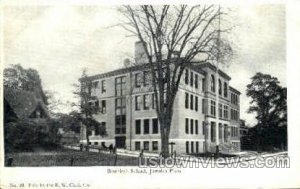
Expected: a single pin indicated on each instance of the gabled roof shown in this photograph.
(24, 103)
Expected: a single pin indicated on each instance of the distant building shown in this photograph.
(20, 104)
(68, 137)
(124, 98)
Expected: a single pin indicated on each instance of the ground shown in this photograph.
(63, 158)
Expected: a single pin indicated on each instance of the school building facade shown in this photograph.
(125, 102)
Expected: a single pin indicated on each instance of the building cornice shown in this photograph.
(234, 90)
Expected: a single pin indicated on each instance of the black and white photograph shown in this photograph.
(145, 90)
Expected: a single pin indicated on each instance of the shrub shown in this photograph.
(23, 135)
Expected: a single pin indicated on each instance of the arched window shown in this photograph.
(225, 90)
(212, 83)
(220, 87)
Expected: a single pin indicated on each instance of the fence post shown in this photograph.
(140, 159)
(71, 161)
(10, 162)
(116, 157)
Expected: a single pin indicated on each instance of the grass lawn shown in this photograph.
(63, 158)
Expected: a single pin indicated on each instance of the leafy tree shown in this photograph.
(172, 37)
(17, 77)
(270, 106)
(268, 100)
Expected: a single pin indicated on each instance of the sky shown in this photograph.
(60, 41)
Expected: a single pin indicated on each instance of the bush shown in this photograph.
(23, 135)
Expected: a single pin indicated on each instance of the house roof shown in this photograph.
(23, 102)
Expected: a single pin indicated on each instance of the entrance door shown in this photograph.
(120, 141)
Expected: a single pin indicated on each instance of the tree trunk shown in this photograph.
(165, 145)
(87, 140)
(165, 124)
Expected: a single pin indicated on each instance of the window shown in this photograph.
(138, 102)
(192, 79)
(187, 147)
(146, 146)
(212, 83)
(153, 101)
(97, 128)
(186, 79)
(220, 110)
(120, 124)
(186, 125)
(196, 127)
(155, 126)
(220, 87)
(146, 126)
(225, 112)
(186, 100)
(95, 84)
(213, 108)
(120, 86)
(192, 147)
(226, 133)
(97, 104)
(203, 106)
(120, 108)
(197, 147)
(137, 80)
(192, 102)
(220, 131)
(196, 103)
(203, 128)
(146, 78)
(96, 143)
(196, 81)
(103, 106)
(137, 145)
(147, 102)
(154, 145)
(103, 86)
(203, 84)
(225, 90)
(138, 127)
(192, 126)
(213, 131)
(234, 114)
(234, 99)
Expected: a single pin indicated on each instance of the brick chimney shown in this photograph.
(140, 55)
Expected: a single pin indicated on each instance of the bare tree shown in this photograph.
(85, 117)
(173, 37)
